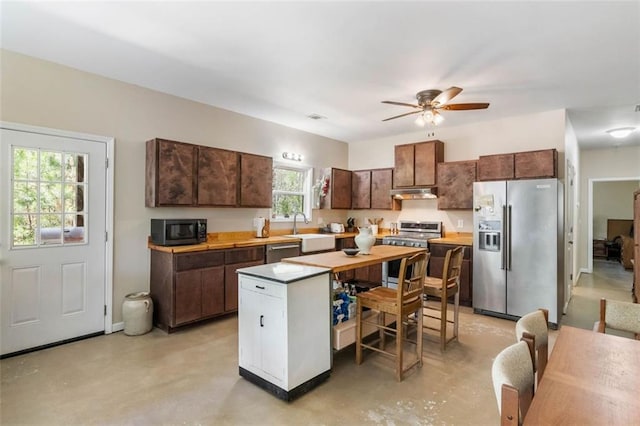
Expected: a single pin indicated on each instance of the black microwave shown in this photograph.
(177, 232)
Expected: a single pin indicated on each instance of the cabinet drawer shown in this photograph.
(263, 287)
(244, 255)
(197, 260)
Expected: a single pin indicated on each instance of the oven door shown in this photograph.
(391, 272)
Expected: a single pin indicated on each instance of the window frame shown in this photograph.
(307, 191)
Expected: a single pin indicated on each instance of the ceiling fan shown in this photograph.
(431, 101)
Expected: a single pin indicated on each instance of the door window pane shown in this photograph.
(48, 186)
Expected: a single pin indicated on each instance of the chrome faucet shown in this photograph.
(295, 228)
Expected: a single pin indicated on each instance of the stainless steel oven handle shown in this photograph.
(293, 246)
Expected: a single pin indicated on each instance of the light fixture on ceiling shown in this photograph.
(429, 117)
(621, 132)
(292, 156)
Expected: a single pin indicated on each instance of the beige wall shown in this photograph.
(612, 200)
(597, 165)
(41, 93)
(523, 133)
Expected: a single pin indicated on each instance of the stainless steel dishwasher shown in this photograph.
(277, 252)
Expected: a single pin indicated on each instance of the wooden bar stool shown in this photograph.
(401, 303)
(445, 287)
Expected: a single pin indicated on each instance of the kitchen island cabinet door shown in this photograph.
(217, 177)
(340, 189)
(261, 333)
(170, 173)
(256, 176)
(361, 189)
(455, 185)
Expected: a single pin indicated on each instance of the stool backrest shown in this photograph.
(452, 267)
(411, 278)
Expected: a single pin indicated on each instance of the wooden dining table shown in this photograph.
(338, 261)
(591, 379)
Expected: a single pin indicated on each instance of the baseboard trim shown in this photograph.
(585, 270)
(118, 326)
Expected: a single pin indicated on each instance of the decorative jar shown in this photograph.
(137, 312)
(365, 240)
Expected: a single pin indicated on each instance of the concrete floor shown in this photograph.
(191, 377)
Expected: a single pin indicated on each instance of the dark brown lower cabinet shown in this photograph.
(371, 273)
(231, 283)
(190, 287)
(436, 266)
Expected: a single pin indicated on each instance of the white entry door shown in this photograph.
(52, 238)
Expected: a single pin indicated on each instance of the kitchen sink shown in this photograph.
(315, 242)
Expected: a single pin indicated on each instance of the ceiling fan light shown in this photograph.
(428, 116)
(420, 121)
(437, 118)
(621, 132)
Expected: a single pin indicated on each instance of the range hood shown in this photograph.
(414, 193)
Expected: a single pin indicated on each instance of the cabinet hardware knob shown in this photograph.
(261, 320)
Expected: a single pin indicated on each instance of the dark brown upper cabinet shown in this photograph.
(455, 185)
(256, 180)
(170, 173)
(519, 165)
(182, 174)
(361, 189)
(340, 189)
(381, 185)
(536, 164)
(217, 177)
(415, 164)
(496, 167)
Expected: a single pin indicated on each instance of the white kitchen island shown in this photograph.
(284, 327)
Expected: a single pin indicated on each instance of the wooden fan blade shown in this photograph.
(462, 107)
(402, 115)
(446, 96)
(401, 103)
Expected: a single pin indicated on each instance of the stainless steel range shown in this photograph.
(410, 234)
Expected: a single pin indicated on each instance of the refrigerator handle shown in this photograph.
(504, 238)
(509, 241)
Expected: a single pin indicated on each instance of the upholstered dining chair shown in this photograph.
(623, 316)
(513, 381)
(536, 324)
(444, 288)
(401, 302)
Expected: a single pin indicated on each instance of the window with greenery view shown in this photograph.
(48, 197)
(291, 191)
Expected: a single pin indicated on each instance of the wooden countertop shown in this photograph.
(337, 261)
(461, 239)
(218, 241)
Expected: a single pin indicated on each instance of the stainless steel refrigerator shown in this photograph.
(518, 248)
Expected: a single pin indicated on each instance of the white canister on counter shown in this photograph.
(137, 313)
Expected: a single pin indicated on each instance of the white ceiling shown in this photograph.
(281, 61)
